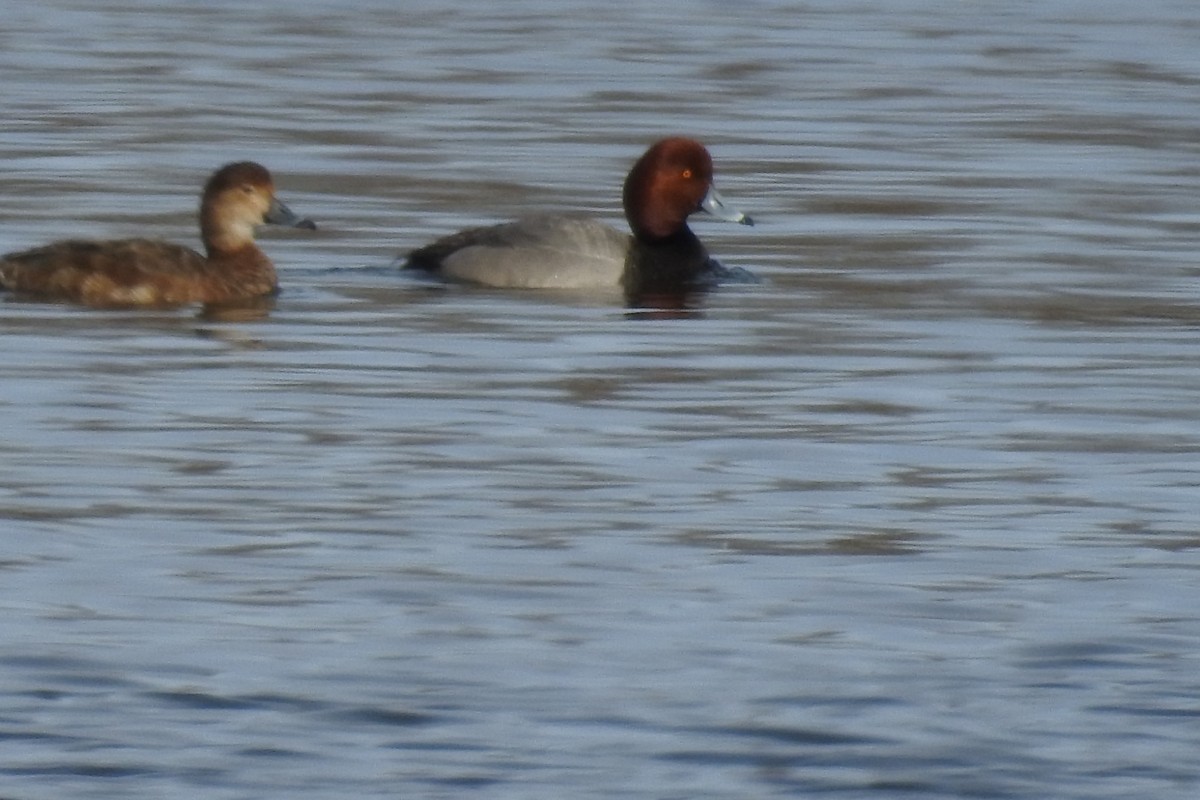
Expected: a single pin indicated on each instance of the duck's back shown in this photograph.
(116, 273)
(537, 252)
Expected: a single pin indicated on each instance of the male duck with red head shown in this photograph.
(132, 273)
(672, 180)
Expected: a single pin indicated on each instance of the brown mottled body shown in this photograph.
(135, 272)
(127, 273)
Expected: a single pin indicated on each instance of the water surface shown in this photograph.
(916, 516)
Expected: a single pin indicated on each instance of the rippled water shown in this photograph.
(915, 517)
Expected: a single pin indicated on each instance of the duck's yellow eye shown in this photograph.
(687, 174)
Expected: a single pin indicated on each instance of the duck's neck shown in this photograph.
(246, 253)
(664, 263)
(231, 244)
(222, 234)
(245, 273)
(680, 250)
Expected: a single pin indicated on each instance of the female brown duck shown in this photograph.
(124, 273)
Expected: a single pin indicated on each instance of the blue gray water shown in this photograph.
(914, 517)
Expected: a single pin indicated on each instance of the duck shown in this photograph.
(148, 273)
(669, 182)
